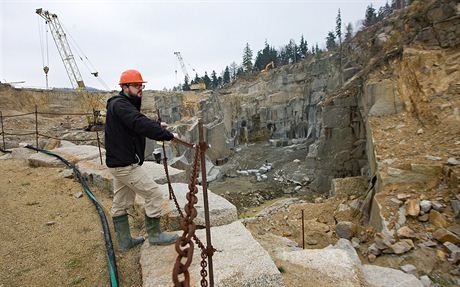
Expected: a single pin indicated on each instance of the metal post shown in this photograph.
(36, 126)
(303, 232)
(99, 146)
(3, 131)
(209, 249)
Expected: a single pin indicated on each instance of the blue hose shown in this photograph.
(111, 260)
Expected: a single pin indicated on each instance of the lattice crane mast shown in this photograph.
(181, 62)
(63, 47)
(197, 86)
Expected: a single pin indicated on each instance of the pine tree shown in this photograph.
(330, 41)
(233, 70)
(384, 11)
(370, 18)
(247, 58)
(214, 80)
(338, 27)
(303, 47)
(338, 32)
(349, 32)
(265, 56)
(186, 86)
(207, 80)
(226, 75)
(196, 80)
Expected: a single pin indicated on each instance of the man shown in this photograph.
(125, 131)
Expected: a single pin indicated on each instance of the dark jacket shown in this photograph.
(126, 129)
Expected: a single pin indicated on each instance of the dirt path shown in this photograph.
(51, 238)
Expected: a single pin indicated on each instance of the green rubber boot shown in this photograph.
(156, 237)
(125, 241)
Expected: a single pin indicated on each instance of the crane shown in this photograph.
(198, 86)
(63, 47)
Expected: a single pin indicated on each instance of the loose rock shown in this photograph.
(405, 232)
(345, 229)
(437, 219)
(425, 205)
(443, 235)
(413, 207)
(410, 269)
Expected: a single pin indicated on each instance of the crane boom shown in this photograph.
(184, 69)
(63, 47)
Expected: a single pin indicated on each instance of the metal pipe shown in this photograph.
(209, 249)
(3, 132)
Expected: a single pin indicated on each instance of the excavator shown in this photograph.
(268, 66)
(95, 119)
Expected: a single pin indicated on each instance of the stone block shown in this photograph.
(240, 261)
(73, 154)
(221, 211)
(99, 175)
(317, 264)
(377, 276)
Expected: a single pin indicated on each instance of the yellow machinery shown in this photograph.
(268, 66)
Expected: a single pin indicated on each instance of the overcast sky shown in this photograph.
(143, 35)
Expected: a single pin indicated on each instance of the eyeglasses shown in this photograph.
(137, 86)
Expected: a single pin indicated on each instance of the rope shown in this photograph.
(111, 259)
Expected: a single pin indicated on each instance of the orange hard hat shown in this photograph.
(131, 76)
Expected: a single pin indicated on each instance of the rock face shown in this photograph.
(239, 261)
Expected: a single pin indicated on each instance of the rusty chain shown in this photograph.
(184, 245)
(188, 226)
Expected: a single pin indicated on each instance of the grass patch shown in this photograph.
(77, 281)
(73, 263)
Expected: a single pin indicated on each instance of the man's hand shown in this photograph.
(164, 125)
(176, 136)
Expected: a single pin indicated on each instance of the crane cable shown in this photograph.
(87, 63)
(40, 35)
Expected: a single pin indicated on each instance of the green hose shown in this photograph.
(111, 260)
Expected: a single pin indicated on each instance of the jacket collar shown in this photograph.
(136, 101)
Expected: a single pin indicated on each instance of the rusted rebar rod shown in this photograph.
(3, 131)
(303, 232)
(36, 126)
(209, 248)
(99, 146)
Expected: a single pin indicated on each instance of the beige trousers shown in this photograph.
(129, 181)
